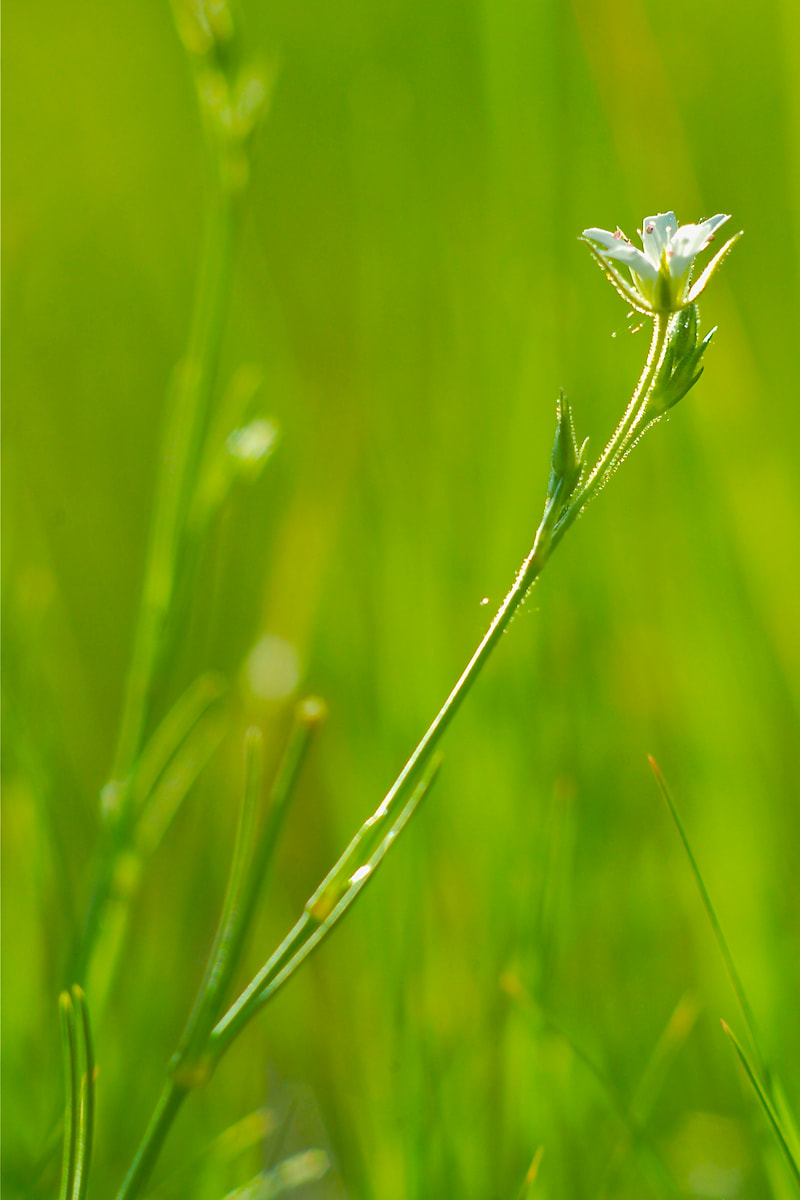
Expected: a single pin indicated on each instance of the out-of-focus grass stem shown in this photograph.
(252, 856)
(70, 1058)
(169, 1103)
(220, 961)
(185, 425)
(79, 1107)
(186, 420)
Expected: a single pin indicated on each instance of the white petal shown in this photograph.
(656, 232)
(633, 258)
(602, 236)
(688, 241)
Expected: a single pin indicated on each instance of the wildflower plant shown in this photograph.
(203, 452)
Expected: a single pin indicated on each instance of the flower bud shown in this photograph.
(567, 460)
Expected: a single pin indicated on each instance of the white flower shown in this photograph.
(661, 271)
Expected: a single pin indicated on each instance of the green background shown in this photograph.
(410, 281)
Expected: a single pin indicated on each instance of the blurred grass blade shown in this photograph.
(176, 781)
(71, 1104)
(174, 784)
(172, 733)
(677, 1030)
(636, 1134)
(221, 463)
(680, 1025)
(730, 966)
(309, 715)
(252, 858)
(219, 961)
(85, 1123)
(771, 1082)
(297, 1171)
(325, 908)
(766, 1105)
(226, 1147)
(529, 1182)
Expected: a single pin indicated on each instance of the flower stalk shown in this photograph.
(671, 368)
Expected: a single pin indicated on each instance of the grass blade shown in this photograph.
(766, 1104)
(724, 949)
(672, 1039)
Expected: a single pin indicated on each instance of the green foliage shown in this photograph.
(407, 294)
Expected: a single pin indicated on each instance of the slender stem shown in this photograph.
(169, 1103)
